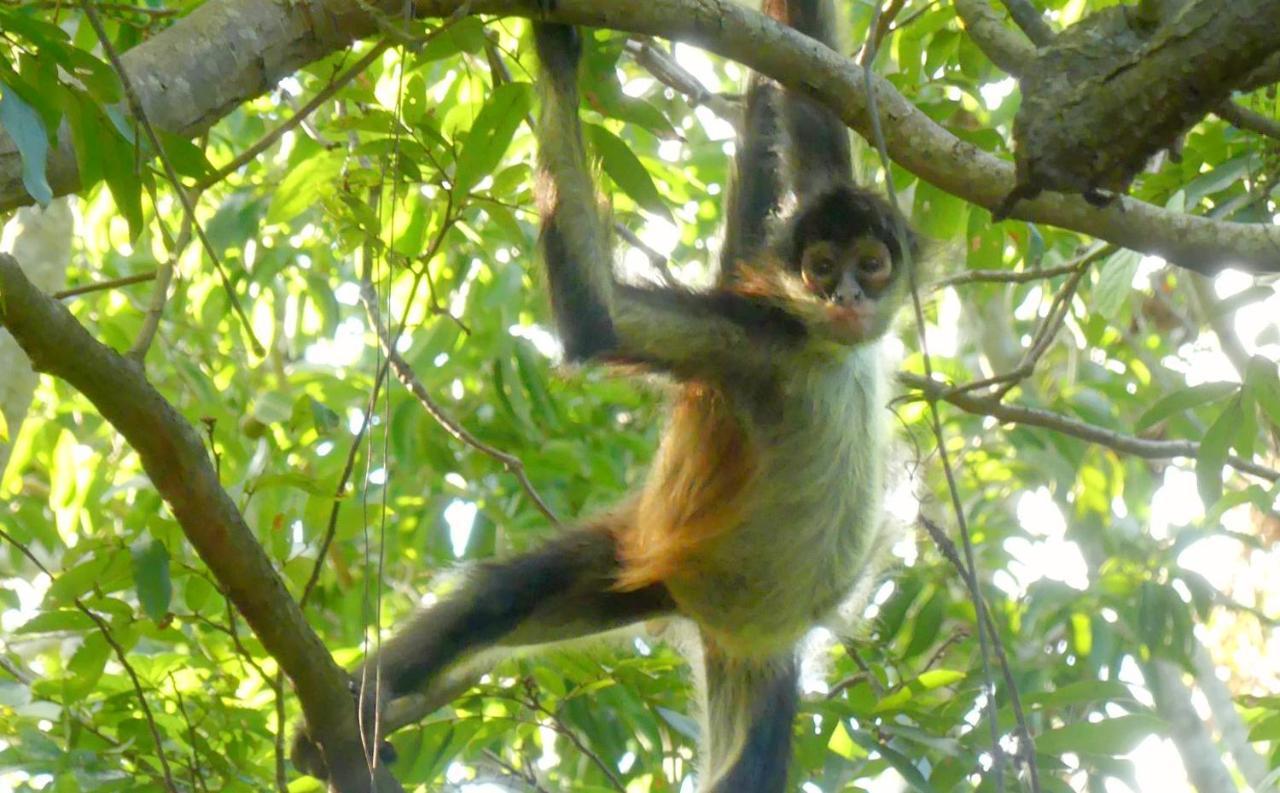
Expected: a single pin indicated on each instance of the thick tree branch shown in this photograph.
(177, 463)
(1244, 118)
(1028, 18)
(1006, 47)
(1111, 71)
(236, 49)
(1009, 49)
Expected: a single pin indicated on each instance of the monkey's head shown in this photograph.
(842, 245)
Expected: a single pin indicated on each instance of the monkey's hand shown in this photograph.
(307, 755)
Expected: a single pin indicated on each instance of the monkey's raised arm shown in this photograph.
(670, 329)
(755, 190)
(818, 151)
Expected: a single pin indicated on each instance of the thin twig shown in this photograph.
(935, 419)
(331, 529)
(197, 774)
(405, 374)
(959, 635)
(160, 294)
(532, 701)
(86, 723)
(121, 657)
(1005, 276)
(322, 96)
(99, 286)
(1035, 417)
(340, 490)
(188, 207)
(884, 22)
(1028, 746)
(1004, 382)
(525, 774)
(659, 63)
(659, 262)
(852, 651)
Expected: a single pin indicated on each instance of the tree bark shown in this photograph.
(1109, 92)
(241, 47)
(177, 463)
(1190, 734)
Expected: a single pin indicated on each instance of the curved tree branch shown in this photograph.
(1004, 46)
(1057, 422)
(178, 465)
(236, 49)
(1028, 17)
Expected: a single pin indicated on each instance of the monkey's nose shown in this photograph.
(848, 291)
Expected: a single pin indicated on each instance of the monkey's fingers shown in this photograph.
(306, 755)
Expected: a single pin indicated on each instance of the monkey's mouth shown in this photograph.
(852, 321)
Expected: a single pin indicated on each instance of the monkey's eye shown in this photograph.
(873, 265)
(818, 262)
(822, 266)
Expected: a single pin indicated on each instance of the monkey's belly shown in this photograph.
(769, 581)
(813, 525)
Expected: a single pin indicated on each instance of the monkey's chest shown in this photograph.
(808, 523)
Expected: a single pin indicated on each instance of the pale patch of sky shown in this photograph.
(995, 93)
(460, 517)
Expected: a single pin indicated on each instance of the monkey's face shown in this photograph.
(852, 278)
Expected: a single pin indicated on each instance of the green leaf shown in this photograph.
(941, 215)
(842, 744)
(85, 667)
(626, 170)
(1262, 378)
(324, 418)
(1266, 730)
(4, 428)
(901, 763)
(1213, 453)
(72, 583)
(465, 35)
(1185, 399)
(272, 407)
(1115, 282)
(68, 619)
(198, 593)
(151, 578)
(491, 134)
(186, 157)
(894, 611)
(928, 622)
(1109, 737)
(937, 678)
(27, 129)
(1081, 693)
(302, 186)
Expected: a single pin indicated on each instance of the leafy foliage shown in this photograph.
(418, 173)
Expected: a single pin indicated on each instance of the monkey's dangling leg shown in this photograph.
(749, 710)
(560, 591)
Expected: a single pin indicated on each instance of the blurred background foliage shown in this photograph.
(1126, 592)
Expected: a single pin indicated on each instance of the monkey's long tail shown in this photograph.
(748, 709)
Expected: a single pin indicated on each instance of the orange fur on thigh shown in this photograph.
(696, 491)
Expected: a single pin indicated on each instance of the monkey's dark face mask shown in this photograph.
(852, 278)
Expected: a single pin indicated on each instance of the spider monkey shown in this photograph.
(762, 510)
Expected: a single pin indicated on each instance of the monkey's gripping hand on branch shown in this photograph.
(308, 756)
